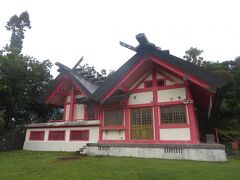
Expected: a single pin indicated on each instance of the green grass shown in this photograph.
(50, 166)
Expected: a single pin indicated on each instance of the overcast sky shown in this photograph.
(65, 30)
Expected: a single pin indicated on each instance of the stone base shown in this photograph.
(197, 152)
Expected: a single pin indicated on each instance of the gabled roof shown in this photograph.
(191, 68)
(116, 76)
(146, 48)
(85, 84)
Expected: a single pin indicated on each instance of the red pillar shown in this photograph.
(71, 112)
(101, 124)
(155, 107)
(127, 123)
(192, 118)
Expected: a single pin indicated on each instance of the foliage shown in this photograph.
(48, 165)
(18, 25)
(12, 140)
(2, 122)
(22, 81)
(193, 56)
(92, 71)
(228, 117)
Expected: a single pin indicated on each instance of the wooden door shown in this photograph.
(141, 124)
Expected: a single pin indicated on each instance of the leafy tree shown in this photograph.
(2, 121)
(193, 56)
(90, 70)
(22, 80)
(228, 117)
(18, 25)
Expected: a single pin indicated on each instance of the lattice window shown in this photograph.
(136, 116)
(36, 135)
(79, 135)
(141, 116)
(175, 114)
(113, 117)
(56, 135)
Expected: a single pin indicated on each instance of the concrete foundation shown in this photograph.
(198, 152)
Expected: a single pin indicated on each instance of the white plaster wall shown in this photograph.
(175, 134)
(66, 145)
(179, 81)
(68, 99)
(149, 77)
(78, 111)
(141, 86)
(160, 76)
(67, 112)
(114, 135)
(167, 95)
(169, 82)
(141, 98)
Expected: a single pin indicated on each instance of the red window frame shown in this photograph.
(77, 135)
(52, 135)
(36, 135)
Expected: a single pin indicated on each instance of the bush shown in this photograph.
(2, 122)
(12, 140)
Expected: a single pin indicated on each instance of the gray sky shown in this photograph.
(65, 30)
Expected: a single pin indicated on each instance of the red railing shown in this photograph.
(217, 131)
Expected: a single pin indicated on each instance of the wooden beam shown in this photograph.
(77, 64)
(71, 112)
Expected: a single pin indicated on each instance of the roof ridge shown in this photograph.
(60, 65)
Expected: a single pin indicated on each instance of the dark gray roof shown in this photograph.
(186, 66)
(191, 68)
(95, 91)
(116, 76)
(86, 85)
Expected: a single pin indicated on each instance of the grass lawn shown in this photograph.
(60, 165)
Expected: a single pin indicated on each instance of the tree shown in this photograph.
(193, 56)
(18, 25)
(2, 121)
(90, 70)
(228, 117)
(22, 81)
